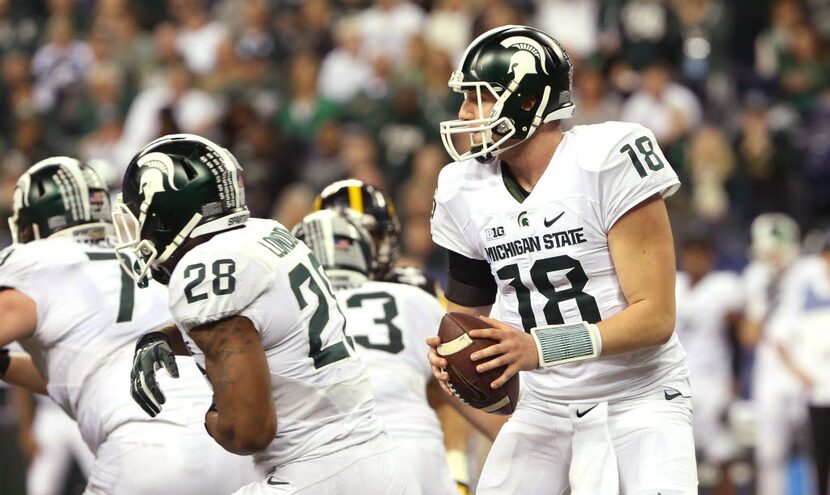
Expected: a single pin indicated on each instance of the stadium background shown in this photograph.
(305, 92)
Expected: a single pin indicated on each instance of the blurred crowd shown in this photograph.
(305, 92)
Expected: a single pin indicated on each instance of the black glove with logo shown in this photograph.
(151, 353)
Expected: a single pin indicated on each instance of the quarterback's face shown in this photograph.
(470, 110)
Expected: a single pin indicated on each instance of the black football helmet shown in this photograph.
(59, 196)
(377, 215)
(530, 76)
(176, 188)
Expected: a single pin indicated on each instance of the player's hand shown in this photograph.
(516, 350)
(151, 353)
(437, 363)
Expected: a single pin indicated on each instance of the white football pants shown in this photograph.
(636, 446)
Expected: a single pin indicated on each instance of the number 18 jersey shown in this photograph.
(319, 385)
(548, 251)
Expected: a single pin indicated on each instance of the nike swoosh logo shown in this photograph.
(671, 396)
(272, 482)
(478, 395)
(548, 223)
(579, 413)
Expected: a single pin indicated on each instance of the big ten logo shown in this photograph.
(494, 233)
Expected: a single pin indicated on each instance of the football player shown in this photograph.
(388, 323)
(257, 312)
(776, 393)
(798, 330)
(709, 306)
(65, 300)
(377, 214)
(571, 230)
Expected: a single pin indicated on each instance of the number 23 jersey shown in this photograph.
(548, 252)
(320, 387)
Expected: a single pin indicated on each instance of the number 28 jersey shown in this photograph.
(320, 388)
(548, 252)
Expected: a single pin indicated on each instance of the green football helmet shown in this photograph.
(775, 239)
(530, 76)
(177, 188)
(342, 246)
(60, 196)
(376, 213)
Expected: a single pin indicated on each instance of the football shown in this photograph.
(466, 383)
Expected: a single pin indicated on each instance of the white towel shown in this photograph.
(593, 462)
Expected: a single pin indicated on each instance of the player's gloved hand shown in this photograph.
(461, 488)
(152, 351)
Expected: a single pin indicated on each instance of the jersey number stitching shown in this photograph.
(390, 311)
(539, 275)
(126, 301)
(222, 277)
(322, 356)
(649, 152)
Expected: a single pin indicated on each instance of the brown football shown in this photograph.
(466, 383)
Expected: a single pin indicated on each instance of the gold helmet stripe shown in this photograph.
(356, 198)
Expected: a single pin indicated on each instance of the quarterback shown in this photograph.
(65, 299)
(255, 309)
(571, 231)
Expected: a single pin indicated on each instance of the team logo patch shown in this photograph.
(523, 220)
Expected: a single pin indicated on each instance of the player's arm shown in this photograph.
(642, 251)
(17, 368)
(19, 319)
(24, 405)
(242, 419)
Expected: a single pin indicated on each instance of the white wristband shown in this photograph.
(560, 344)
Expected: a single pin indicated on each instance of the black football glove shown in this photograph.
(151, 353)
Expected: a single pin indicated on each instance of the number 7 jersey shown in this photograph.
(548, 251)
(320, 387)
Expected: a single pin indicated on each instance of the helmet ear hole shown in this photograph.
(528, 102)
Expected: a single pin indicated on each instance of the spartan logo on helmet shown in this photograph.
(528, 76)
(527, 57)
(157, 177)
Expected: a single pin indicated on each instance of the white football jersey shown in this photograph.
(389, 324)
(90, 316)
(320, 387)
(800, 322)
(549, 253)
(701, 322)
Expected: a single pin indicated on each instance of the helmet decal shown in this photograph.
(524, 60)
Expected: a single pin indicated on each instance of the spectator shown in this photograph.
(344, 73)
(304, 109)
(594, 102)
(774, 41)
(449, 25)
(59, 66)
(386, 28)
(176, 103)
(574, 22)
(199, 37)
(711, 164)
(804, 69)
(669, 109)
(765, 160)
